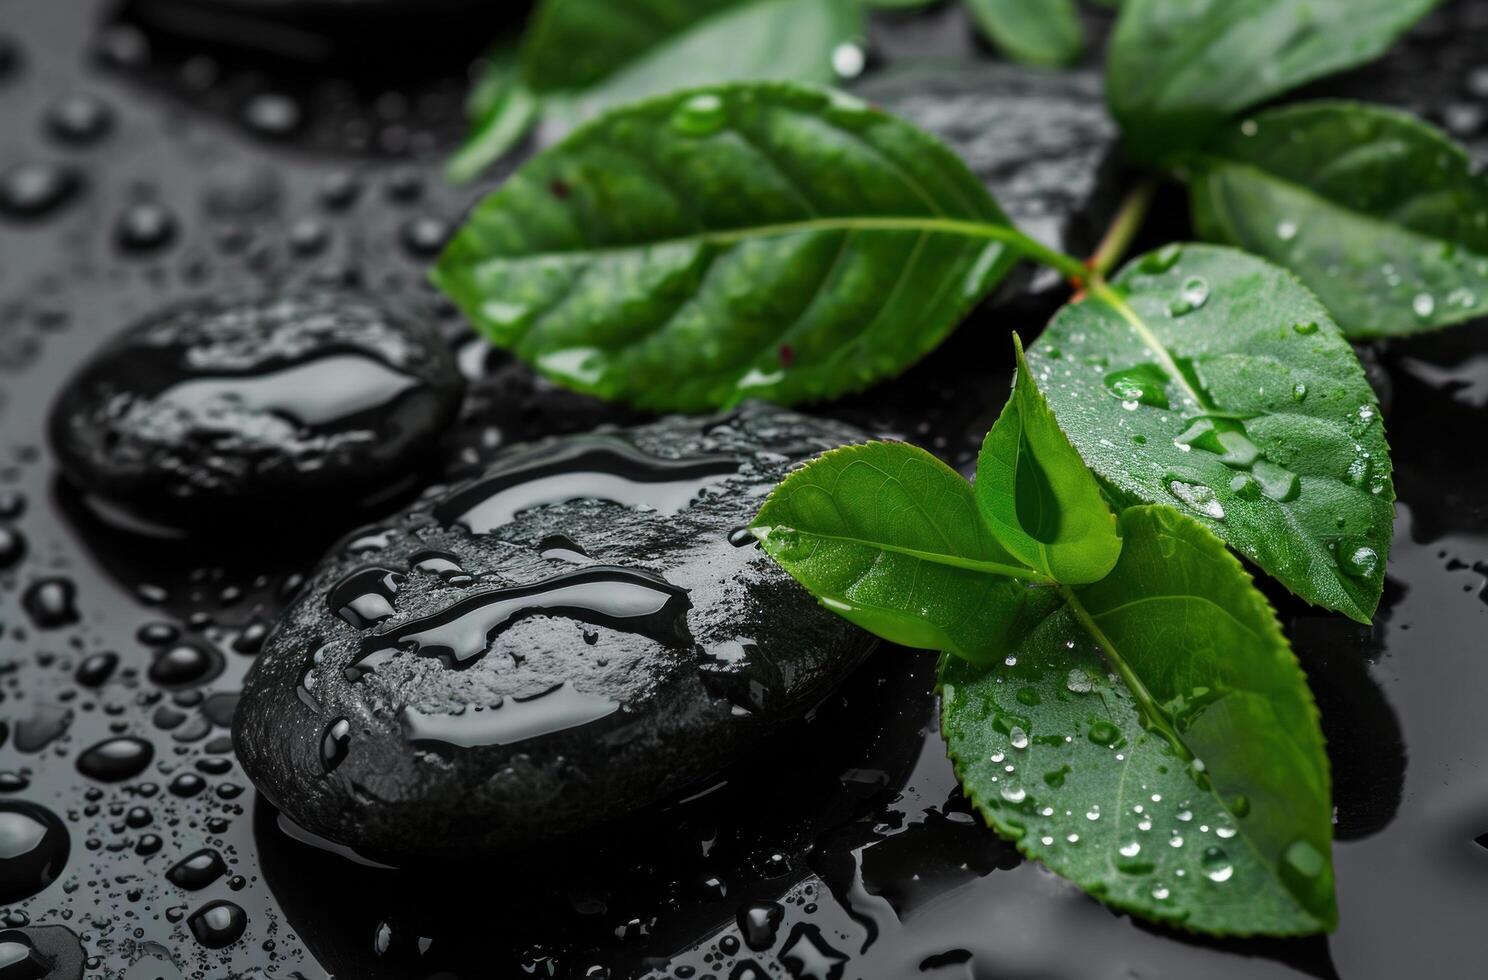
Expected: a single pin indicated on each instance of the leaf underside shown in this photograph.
(1060, 755)
(1227, 390)
(1381, 214)
(743, 241)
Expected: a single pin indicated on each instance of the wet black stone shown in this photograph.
(33, 190)
(218, 924)
(33, 849)
(431, 720)
(238, 413)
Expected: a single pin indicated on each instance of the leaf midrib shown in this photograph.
(937, 558)
(1148, 707)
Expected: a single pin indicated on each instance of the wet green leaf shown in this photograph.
(1041, 502)
(745, 241)
(1381, 214)
(890, 538)
(1220, 384)
(1156, 743)
(1177, 70)
(579, 57)
(1046, 33)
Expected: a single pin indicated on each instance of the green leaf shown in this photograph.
(1177, 70)
(890, 538)
(582, 56)
(501, 110)
(1180, 774)
(746, 241)
(1041, 502)
(1214, 380)
(1046, 33)
(1381, 214)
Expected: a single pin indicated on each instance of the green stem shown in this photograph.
(1124, 228)
(1156, 718)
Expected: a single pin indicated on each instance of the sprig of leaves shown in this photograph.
(1120, 700)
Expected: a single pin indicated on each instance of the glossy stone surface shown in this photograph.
(564, 640)
(223, 411)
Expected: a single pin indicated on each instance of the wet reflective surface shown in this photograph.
(131, 844)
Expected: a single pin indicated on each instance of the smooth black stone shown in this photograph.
(1041, 141)
(33, 849)
(243, 412)
(531, 697)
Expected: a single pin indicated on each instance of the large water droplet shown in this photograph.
(701, 115)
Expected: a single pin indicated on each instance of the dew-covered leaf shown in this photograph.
(1041, 502)
(1380, 213)
(1220, 384)
(579, 57)
(1046, 33)
(890, 538)
(1178, 775)
(1177, 70)
(755, 240)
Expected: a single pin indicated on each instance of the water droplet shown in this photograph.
(197, 870)
(1019, 738)
(1104, 733)
(1014, 794)
(79, 119)
(1424, 305)
(1198, 498)
(1299, 391)
(115, 760)
(32, 190)
(144, 227)
(1305, 327)
(218, 924)
(51, 602)
(1160, 261)
(1361, 562)
(1216, 864)
(33, 849)
(1078, 682)
(1131, 850)
(1286, 230)
(1193, 294)
(701, 115)
(1145, 384)
(848, 60)
(272, 114)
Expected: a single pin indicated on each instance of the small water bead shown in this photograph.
(425, 236)
(218, 924)
(1073, 838)
(187, 785)
(115, 760)
(1014, 794)
(1286, 230)
(1299, 391)
(701, 115)
(1160, 261)
(848, 60)
(1175, 841)
(144, 227)
(1193, 294)
(1142, 384)
(197, 870)
(1018, 738)
(95, 669)
(184, 665)
(1093, 813)
(79, 119)
(33, 190)
(1197, 497)
(34, 846)
(51, 603)
(1078, 682)
(1104, 733)
(1130, 850)
(1161, 893)
(1423, 305)
(12, 547)
(1362, 562)
(1216, 864)
(272, 114)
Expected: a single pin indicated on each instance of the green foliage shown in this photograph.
(1035, 492)
(579, 57)
(1177, 69)
(889, 537)
(1381, 214)
(1156, 743)
(1212, 380)
(744, 241)
(1046, 33)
